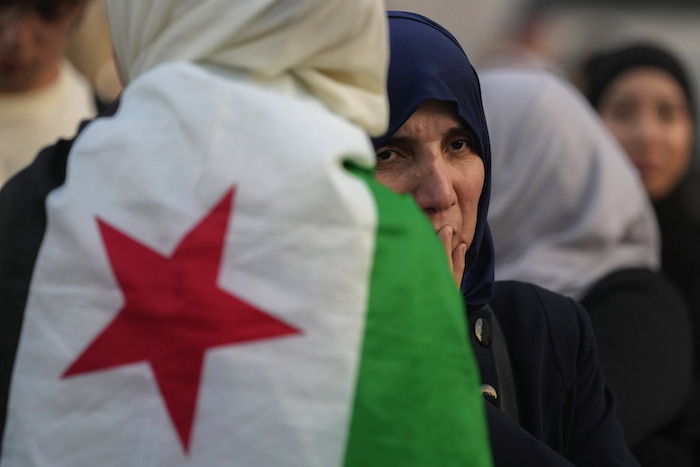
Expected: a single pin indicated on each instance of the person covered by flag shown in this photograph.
(212, 276)
(547, 402)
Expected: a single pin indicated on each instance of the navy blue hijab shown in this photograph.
(427, 62)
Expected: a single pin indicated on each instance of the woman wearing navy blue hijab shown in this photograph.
(548, 403)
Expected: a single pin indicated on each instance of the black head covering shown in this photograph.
(427, 62)
(602, 68)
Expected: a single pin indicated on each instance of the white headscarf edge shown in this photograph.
(600, 219)
(337, 50)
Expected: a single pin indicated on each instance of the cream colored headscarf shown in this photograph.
(337, 49)
(567, 207)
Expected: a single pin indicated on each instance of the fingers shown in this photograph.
(445, 236)
(458, 258)
(455, 257)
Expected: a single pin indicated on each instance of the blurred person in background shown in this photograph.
(643, 93)
(568, 212)
(42, 96)
(527, 42)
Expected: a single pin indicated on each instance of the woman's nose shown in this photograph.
(434, 191)
(648, 129)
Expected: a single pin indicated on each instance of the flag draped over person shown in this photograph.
(211, 276)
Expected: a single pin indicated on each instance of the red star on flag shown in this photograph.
(173, 312)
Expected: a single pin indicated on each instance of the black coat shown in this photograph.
(645, 340)
(566, 413)
(679, 222)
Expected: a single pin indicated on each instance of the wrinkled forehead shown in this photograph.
(427, 63)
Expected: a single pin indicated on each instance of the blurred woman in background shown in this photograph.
(569, 213)
(643, 93)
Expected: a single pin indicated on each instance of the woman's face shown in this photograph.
(32, 43)
(647, 111)
(432, 157)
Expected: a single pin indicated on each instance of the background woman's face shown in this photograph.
(32, 43)
(647, 111)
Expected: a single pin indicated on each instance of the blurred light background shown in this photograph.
(563, 32)
(554, 33)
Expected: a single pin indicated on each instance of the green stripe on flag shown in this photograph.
(417, 399)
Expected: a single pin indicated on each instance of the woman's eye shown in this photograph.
(459, 144)
(669, 112)
(666, 114)
(384, 155)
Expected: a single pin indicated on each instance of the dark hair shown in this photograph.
(49, 10)
(602, 68)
